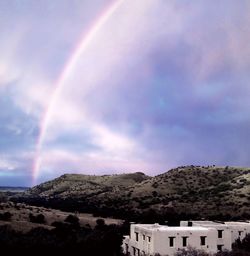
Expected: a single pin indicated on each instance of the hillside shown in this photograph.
(20, 220)
(204, 191)
(197, 191)
(78, 185)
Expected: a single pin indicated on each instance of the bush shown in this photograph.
(5, 216)
(243, 244)
(72, 219)
(190, 251)
(100, 223)
(40, 219)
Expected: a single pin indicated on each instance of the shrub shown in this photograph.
(155, 185)
(243, 244)
(40, 219)
(190, 251)
(154, 193)
(5, 216)
(72, 219)
(100, 223)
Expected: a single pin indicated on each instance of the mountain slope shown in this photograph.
(207, 191)
(78, 185)
(189, 190)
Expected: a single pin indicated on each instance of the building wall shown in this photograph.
(238, 229)
(162, 241)
(143, 242)
(151, 239)
(231, 230)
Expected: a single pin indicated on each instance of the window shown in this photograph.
(203, 240)
(149, 239)
(220, 233)
(134, 251)
(240, 232)
(184, 241)
(171, 241)
(144, 237)
(136, 236)
(126, 250)
(219, 247)
(190, 223)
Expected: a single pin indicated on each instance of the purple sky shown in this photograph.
(160, 84)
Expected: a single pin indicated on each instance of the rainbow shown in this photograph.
(65, 74)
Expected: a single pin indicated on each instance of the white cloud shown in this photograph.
(7, 164)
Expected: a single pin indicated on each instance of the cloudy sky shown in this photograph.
(109, 86)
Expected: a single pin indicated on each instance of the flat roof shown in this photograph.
(153, 227)
(237, 223)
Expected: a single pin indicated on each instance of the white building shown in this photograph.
(151, 239)
(227, 232)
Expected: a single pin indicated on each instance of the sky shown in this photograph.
(117, 86)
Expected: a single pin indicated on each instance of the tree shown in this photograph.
(100, 223)
(243, 244)
(73, 220)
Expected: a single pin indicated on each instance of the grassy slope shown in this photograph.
(75, 185)
(20, 217)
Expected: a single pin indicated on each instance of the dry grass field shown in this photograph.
(20, 220)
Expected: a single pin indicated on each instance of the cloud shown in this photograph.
(7, 164)
(162, 84)
(15, 168)
(166, 81)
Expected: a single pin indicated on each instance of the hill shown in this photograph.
(188, 191)
(78, 185)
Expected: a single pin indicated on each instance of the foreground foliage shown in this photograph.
(66, 236)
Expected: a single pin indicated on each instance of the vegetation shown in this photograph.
(6, 216)
(102, 240)
(37, 218)
(186, 192)
(191, 252)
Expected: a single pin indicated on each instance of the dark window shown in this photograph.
(219, 247)
(144, 237)
(171, 241)
(220, 233)
(203, 240)
(126, 245)
(136, 236)
(240, 232)
(184, 241)
(149, 239)
(134, 251)
(190, 223)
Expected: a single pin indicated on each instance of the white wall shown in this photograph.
(159, 237)
(237, 227)
(162, 246)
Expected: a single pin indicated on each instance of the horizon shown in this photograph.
(121, 173)
(122, 85)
